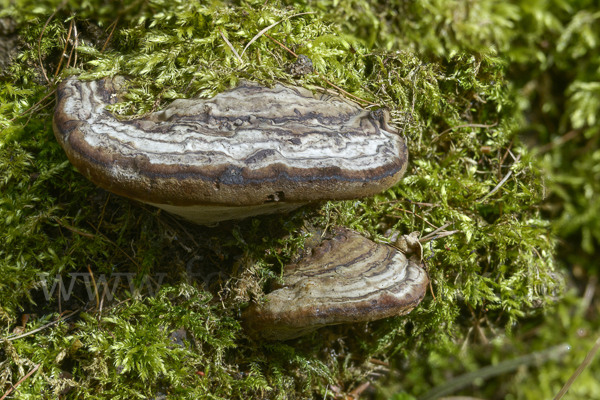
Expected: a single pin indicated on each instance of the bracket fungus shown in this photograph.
(345, 279)
(255, 150)
(248, 151)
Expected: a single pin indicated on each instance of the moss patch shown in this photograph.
(464, 97)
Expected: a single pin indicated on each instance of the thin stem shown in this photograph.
(42, 34)
(65, 49)
(588, 359)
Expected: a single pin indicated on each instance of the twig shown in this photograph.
(281, 44)
(110, 35)
(231, 47)
(462, 126)
(588, 359)
(40, 108)
(31, 115)
(259, 34)
(8, 339)
(65, 49)
(61, 5)
(9, 391)
(511, 154)
(378, 362)
(499, 185)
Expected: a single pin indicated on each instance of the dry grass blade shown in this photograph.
(65, 49)
(9, 391)
(499, 185)
(432, 234)
(349, 94)
(74, 48)
(30, 109)
(8, 339)
(439, 233)
(588, 359)
(259, 34)
(231, 47)
(110, 35)
(503, 367)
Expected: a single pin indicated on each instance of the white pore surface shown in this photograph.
(208, 215)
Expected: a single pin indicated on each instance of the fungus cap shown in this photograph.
(345, 279)
(248, 151)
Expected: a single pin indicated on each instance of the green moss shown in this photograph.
(467, 86)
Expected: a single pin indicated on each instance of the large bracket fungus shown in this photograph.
(248, 151)
(347, 278)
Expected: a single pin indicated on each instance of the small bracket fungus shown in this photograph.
(346, 279)
(249, 151)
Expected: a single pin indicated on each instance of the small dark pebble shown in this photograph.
(302, 66)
